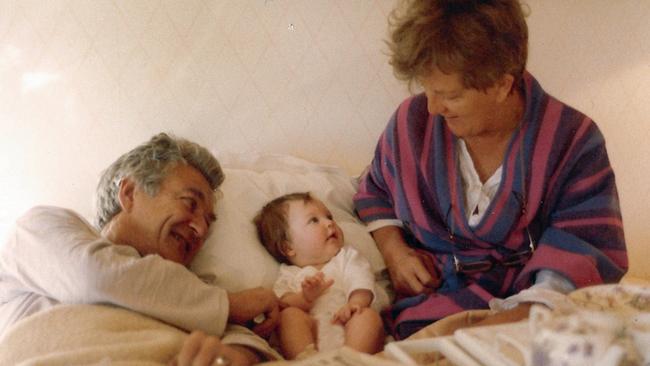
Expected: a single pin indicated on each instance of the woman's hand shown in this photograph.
(248, 304)
(407, 270)
(408, 273)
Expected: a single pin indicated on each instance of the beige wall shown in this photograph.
(82, 81)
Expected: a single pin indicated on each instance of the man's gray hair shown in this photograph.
(148, 165)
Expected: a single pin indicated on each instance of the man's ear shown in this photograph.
(127, 194)
(504, 86)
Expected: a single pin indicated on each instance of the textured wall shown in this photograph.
(83, 81)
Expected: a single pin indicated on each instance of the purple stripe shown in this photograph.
(506, 189)
(586, 122)
(612, 221)
(433, 308)
(580, 269)
(452, 182)
(618, 256)
(541, 154)
(386, 174)
(588, 182)
(426, 147)
(408, 167)
(372, 211)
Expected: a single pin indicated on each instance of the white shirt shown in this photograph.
(477, 195)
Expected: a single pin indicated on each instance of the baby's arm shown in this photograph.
(359, 299)
(312, 288)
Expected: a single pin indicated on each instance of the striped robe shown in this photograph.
(557, 185)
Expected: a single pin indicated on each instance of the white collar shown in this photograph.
(477, 195)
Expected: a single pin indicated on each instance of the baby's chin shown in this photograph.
(337, 249)
(332, 252)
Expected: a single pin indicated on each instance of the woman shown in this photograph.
(484, 185)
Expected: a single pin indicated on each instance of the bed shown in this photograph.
(234, 259)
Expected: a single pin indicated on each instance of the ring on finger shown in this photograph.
(221, 361)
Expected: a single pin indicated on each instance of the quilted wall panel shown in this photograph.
(81, 81)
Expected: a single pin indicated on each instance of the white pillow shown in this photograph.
(233, 257)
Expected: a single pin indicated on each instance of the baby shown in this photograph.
(328, 288)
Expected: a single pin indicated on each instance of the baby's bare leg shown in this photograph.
(296, 330)
(364, 332)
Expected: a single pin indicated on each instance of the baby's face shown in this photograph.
(314, 236)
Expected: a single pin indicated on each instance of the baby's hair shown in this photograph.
(272, 226)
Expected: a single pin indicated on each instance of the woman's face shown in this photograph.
(467, 112)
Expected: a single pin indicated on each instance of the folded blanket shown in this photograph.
(89, 335)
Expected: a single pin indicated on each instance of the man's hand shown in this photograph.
(199, 349)
(314, 286)
(248, 304)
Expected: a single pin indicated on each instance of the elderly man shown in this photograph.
(155, 208)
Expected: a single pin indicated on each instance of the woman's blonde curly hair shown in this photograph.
(481, 40)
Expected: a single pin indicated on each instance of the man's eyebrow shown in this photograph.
(199, 194)
(195, 192)
(446, 92)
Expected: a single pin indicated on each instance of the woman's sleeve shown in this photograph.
(54, 252)
(583, 240)
(373, 200)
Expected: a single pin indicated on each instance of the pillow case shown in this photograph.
(232, 256)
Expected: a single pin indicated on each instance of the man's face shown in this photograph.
(175, 222)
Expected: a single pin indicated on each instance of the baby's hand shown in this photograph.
(314, 286)
(345, 313)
